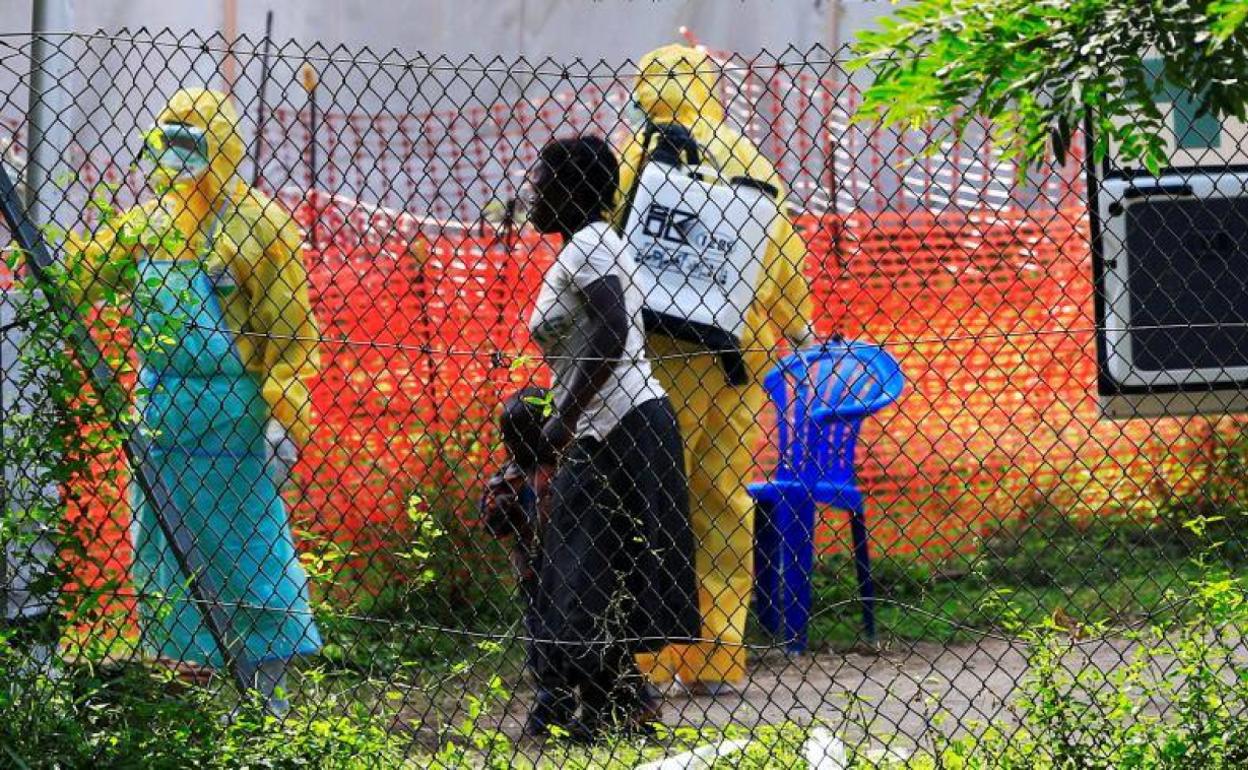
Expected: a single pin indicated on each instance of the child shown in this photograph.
(509, 511)
(509, 505)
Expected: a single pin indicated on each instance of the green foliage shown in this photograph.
(1096, 571)
(54, 437)
(418, 611)
(1070, 714)
(1188, 667)
(1213, 514)
(1036, 68)
(135, 717)
(1176, 703)
(69, 424)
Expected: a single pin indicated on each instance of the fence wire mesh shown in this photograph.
(650, 405)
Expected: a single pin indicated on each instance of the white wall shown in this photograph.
(120, 85)
(563, 29)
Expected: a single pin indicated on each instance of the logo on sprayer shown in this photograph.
(696, 251)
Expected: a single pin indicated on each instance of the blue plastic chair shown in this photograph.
(821, 397)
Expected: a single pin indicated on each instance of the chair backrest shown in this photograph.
(821, 396)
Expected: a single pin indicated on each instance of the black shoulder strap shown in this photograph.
(647, 134)
(675, 145)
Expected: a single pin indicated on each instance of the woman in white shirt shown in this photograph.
(615, 572)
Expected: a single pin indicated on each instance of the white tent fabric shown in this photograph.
(447, 137)
(605, 35)
(614, 30)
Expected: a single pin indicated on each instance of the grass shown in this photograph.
(1116, 571)
(1046, 565)
(389, 686)
(129, 715)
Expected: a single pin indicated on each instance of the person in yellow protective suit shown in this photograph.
(719, 421)
(226, 342)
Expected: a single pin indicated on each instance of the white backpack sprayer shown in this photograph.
(700, 239)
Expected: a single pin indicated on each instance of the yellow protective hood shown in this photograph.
(211, 111)
(676, 83)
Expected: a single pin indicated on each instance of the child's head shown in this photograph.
(521, 426)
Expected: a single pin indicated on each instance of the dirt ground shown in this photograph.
(886, 699)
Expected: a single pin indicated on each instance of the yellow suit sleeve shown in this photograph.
(784, 292)
(285, 330)
(630, 159)
(783, 296)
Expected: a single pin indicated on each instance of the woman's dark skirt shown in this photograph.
(615, 573)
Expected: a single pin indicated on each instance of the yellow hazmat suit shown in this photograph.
(719, 422)
(259, 245)
(226, 341)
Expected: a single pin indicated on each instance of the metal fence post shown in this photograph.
(190, 560)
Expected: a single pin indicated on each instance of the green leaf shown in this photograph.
(127, 236)
(52, 232)
(1229, 16)
(1037, 63)
(546, 402)
(13, 256)
(520, 362)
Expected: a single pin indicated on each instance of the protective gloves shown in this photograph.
(283, 453)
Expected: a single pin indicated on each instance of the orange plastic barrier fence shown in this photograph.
(990, 315)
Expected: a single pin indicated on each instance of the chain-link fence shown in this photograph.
(454, 434)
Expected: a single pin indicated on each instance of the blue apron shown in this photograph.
(205, 416)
